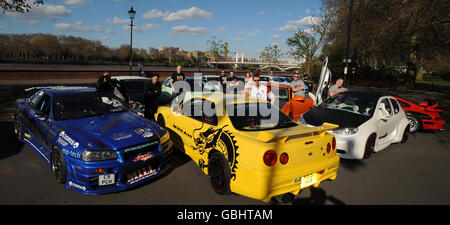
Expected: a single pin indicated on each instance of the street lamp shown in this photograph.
(131, 13)
(347, 60)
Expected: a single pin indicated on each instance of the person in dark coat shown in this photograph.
(152, 92)
(106, 84)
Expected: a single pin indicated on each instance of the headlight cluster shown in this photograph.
(345, 131)
(98, 155)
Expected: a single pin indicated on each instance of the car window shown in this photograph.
(200, 109)
(387, 105)
(35, 98)
(351, 102)
(82, 105)
(44, 105)
(395, 105)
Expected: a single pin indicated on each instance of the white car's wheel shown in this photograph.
(370, 146)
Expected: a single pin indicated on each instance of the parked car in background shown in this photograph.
(423, 116)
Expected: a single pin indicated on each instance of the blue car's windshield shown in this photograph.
(80, 105)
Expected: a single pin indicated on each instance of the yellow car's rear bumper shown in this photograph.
(265, 184)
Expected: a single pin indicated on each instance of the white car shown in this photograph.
(368, 122)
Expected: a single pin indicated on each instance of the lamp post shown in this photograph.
(131, 13)
(347, 60)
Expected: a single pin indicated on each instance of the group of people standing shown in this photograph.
(228, 84)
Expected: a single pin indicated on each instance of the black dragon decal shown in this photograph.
(216, 139)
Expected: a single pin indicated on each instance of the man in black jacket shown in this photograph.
(151, 93)
(105, 84)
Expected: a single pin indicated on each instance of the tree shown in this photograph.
(307, 43)
(270, 54)
(394, 33)
(216, 48)
(20, 6)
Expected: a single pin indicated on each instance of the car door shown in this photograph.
(384, 121)
(42, 119)
(396, 116)
(28, 117)
(322, 86)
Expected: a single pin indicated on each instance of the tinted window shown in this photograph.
(395, 105)
(35, 98)
(74, 106)
(257, 116)
(387, 106)
(134, 86)
(200, 109)
(44, 105)
(351, 102)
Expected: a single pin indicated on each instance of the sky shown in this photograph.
(246, 25)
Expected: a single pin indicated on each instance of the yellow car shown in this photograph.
(249, 147)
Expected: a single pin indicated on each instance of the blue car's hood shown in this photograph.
(111, 131)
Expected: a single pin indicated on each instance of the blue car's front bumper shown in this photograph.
(129, 170)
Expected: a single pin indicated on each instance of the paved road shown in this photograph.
(413, 173)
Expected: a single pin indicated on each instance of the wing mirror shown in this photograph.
(40, 116)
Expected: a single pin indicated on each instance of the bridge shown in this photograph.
(263, 65)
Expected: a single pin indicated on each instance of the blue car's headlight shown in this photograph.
(345, 131)
(98, 155)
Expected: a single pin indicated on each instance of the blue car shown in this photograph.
(90, 140)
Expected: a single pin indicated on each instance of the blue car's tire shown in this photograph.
(59, 166)
(17, 129)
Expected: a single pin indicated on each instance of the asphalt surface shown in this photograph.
(414, 173)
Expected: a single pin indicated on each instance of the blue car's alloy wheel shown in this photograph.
(59, 166)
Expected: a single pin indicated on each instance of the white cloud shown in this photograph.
(104, 38)
(74, 3)
(292, 25)
(183, 14)
(154, 14)
(78, 27)
(2, 27)
(220, 30)
(306, 21)
(287, 28)
(117, 20)
(46, 11)
(249, 33)
(193, 31)
(276, 36)
(140, 29)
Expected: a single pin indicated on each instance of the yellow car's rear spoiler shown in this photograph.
(282, 136)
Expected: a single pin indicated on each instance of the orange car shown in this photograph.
(293, 106)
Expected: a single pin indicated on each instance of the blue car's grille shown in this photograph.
(136, 150)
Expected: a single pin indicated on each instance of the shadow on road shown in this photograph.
(352, 164)
(318, 197)
(11, 145)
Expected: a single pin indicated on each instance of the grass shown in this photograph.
(435, 81)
